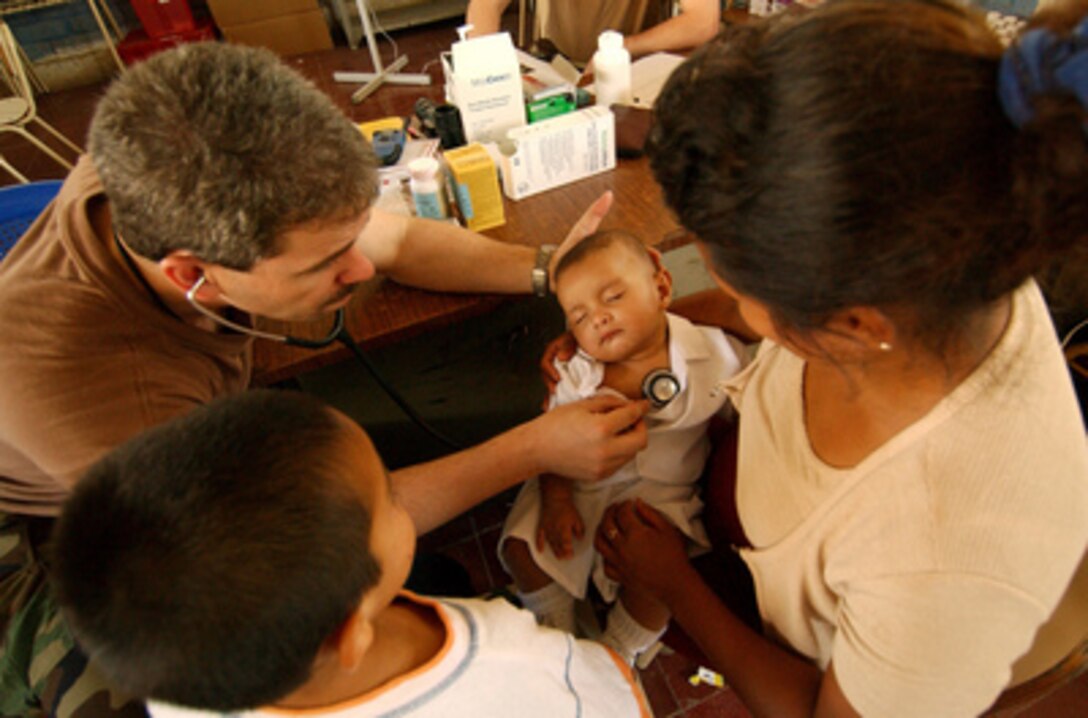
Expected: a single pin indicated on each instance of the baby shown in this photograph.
(615, 293)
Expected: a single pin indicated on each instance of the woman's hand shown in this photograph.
(561, 348)
(641, 548)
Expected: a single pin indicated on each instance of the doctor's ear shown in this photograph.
(183, 269)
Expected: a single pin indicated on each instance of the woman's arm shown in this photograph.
(642, 549)
(715, 308)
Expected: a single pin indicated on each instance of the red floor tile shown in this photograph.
(722, 704)
(677, 669)
(661, 699)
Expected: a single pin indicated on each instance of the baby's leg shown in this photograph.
(635, 623)
(549, 602)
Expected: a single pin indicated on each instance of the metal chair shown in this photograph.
(20, 205)
(20, 110)
(7, 167)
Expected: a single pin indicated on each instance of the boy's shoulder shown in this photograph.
(531, 670)
(496, 662)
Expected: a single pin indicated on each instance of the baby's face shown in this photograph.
(615, 301)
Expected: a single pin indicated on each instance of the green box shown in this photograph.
(550, 106)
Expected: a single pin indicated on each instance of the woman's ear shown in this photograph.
(859, 332)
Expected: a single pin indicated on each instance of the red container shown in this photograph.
(138, 46)
(162, 18)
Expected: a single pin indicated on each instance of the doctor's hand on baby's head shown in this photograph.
(586, 225)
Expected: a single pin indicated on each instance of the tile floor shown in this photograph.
(470, 538)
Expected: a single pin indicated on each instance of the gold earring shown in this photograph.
(884, 347)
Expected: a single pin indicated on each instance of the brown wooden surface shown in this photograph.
(384, 311)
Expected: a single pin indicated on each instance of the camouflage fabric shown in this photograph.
(42, 671)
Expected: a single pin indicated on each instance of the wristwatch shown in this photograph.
(539, 276)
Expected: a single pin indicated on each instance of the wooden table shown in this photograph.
(384, 311)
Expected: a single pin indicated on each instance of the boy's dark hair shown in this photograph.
(205, 561)
(597, 241)
(857, 155)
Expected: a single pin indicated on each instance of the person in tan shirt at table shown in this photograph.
(573, 26)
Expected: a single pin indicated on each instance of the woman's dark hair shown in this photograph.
(206, 561)
(857, 155)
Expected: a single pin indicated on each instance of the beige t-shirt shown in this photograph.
(924, 572)
(573, 25)
(87, 359)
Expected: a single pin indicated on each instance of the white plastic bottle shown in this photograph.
(612, 69)
(428, 194)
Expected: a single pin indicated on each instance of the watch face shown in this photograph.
(540, 281)
(660, 386)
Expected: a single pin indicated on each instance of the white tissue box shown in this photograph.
(555, 152)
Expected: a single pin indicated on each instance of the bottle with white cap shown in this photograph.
(428, 194)
(612, 69)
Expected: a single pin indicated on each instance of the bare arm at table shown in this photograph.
(442, 256)
(698, 22)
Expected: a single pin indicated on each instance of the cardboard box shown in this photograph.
(484, 80)
(292, 34)
(239, 12)
(475, 185)
(558, 151)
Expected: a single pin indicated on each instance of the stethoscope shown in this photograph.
(333, 335)
(660, 387)
(338, 333)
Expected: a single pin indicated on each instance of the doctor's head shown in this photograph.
(226, 162)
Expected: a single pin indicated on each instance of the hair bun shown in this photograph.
(1042, 63)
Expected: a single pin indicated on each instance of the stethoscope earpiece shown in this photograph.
(660, 386)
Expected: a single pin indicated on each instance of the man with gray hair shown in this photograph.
(219, 186)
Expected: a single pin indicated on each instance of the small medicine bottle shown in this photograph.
(612, 70)
(428, 194)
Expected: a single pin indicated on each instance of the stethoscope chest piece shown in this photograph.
(660, 386)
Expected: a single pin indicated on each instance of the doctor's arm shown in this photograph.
(698, 22)
(641, 549)
(441, 256)
(585, 440)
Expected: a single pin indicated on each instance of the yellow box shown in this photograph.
(476, 186)
(386, 123)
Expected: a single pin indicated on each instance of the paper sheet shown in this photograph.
(648, 76)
